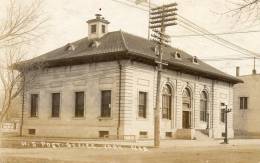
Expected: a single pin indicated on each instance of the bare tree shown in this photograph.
(245, 9)
(10, 79)
(21, 25)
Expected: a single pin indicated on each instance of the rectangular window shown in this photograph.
(106, 103)
(243, 103)
(55, 105)
(79, 104)
(142, 104)
(93, 28)
(103, 29)
(222, 115)
(34, 105)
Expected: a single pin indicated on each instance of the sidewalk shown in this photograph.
(16, 142)
(208, 143)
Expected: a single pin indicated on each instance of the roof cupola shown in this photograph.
(97, 27)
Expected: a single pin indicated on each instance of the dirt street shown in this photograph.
(212, 154)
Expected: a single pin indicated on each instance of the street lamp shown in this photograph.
(226, 110)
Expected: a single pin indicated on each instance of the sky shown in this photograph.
(67, 23)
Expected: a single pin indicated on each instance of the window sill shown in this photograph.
(222, 123)
(79, 118)
(55, 118)
(165, 119)
(104, 118)
(143, 137)
(34, 117)
(142, 118)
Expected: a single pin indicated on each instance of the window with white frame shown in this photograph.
(34, 105)
(142, 104)
(203, 106)
(79, 104)
(55, 111)
(166, 102)
(106, 103)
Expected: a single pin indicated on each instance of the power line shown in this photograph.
(203, 32)
(213, 40)
(131, 5)
(224, 33)
(228, 59)
(219, 39)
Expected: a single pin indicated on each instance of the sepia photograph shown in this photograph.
(129, 81)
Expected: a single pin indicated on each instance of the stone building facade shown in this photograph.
(246, 106)
(106, 85)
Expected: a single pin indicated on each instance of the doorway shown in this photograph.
(186, 119)
(186, 108)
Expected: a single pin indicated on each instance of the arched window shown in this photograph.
(186, 99)
(166, 102)
(203, 106)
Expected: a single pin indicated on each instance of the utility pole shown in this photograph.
(149, 5)
(160, 18)
(23, 102)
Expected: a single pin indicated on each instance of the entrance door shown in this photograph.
(186, 119)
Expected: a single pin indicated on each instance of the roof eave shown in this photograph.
(85, 59)
(126, 54)
(188, 70)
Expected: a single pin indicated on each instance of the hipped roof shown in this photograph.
(121, 45)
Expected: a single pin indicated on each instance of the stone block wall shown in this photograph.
(94, 77)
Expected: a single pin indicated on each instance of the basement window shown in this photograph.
(168, 134)
(143, 134)
(103, 134)
(31, 131)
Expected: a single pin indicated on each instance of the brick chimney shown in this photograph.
(97, 27)
(237, 71)
(254, 71)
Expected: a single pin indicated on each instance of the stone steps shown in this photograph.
(201, 135)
